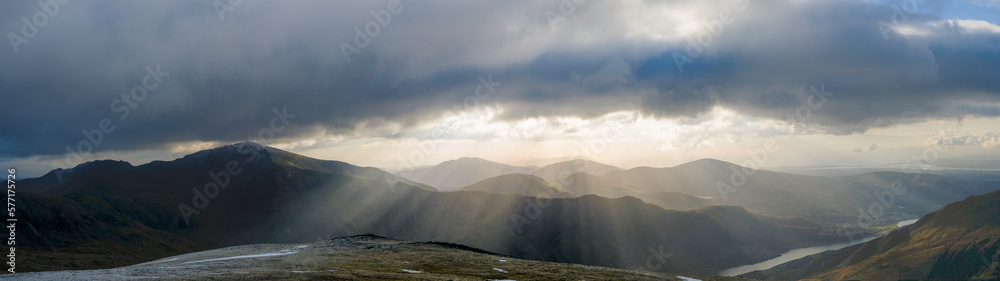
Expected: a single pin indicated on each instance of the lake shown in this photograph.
(789, 256)
(906, 222)
(795, 254)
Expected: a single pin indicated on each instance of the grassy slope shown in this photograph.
(951, 243)
(948, 244)
(363, 257)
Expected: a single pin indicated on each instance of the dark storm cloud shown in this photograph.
(225, 77)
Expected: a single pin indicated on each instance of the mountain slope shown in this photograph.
(674, 200)
(363, 257)
(583, 183)
(100, 204)
(555, 172)
(959, 242)
(520, 184)
(462, 172)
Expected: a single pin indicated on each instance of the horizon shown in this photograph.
(547, 162)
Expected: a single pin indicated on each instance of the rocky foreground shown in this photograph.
(365, 257)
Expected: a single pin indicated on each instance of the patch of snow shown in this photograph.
(166, 260)
(687, 279)
(302, 247)
(300, 271)
(503, 260)
(500, 270)
(412, 271)
(279, 253)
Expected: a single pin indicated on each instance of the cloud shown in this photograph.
(984, 139)
(616, 56)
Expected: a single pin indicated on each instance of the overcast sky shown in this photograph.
(398, 84)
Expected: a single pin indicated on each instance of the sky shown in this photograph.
(402, 84)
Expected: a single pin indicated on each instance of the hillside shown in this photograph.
(674, 200)
(363, 257)
(959, 242)
(584, 183)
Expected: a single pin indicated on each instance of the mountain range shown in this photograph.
(106, 214)
(110, 213)
(832, 202)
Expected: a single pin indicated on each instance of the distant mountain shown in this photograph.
(458, 173)
(108, 214)
(351, 258)
(826, 200)
(697, 178)
(584, 183)
(519, 184)
(553, 173)
(959, 242)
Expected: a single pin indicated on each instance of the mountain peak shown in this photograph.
(246, 151)
(96, 164)
(706, 163)
(467, 160)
